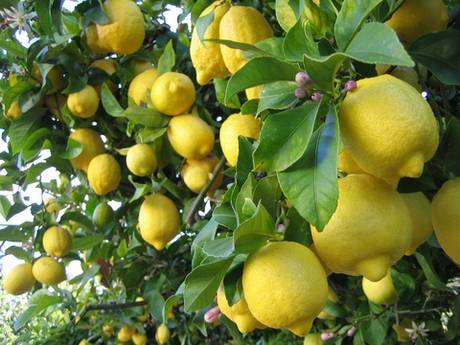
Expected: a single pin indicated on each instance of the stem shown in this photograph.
(109, 306)
(414, 312)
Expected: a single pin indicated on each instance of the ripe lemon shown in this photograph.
(206, 56)
(407, 74)
(382, 291)
(238, 313)
(234, 126)
(93, 146)
(190, 136)
(83, 103)
(48, 271)
(139, 339)
(141, 160)
(55, 102)
(19, 279)
(331, 297)
(173, 93)
(104, 174)
(159, 220)
(245, 25)
(420, 212)
(388, 128)
(92, 40)
(107, 329)
(125, 31)
(347, 164)
(140, 86)
(285, 286)
(446, 218)
(162, 334)
(102, 214)
(125, 333)
(14, 111)
(84, 342)
(416, 18)
(57, 241)
(369, 231)
(313, 339)
(253, 92)
(196, 174)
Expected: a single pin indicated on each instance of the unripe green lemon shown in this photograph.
(312, 339)
(19, 279)
(102, 214)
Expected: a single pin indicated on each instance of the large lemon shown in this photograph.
(125, 333)
(93, 146)
(141, 160)
(159, 220)
(238, 313)
(139, 339)
(104, 174)
(206, 56)
(196, 174)
(19, 279)
(162, 334)
(446, 218)
(388, 128)
(313, 339)
(234, 126)
(369, 231)
(381, 291)
(173, 93)
(57, 241)
(83, 103)
(408, 74)
(416, 18)
(420, 212)
(190, 136)
(48, 271)
(140, 86)
(285, 286)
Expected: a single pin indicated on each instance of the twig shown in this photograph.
(109, 306)
(414, 312)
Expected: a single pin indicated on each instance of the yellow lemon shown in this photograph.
(93, 146)
(253, 92)
(416, 18)
(173, 93)
(388, 128)
(190, 136)
(162, 334)
(48, 271)
(446, 218)
(57, 241)
(206, 56)
(19, 279)
(14, 111)
(381, 291)
(285, 286)
(84, 342)
(369, 231)
(245, 25)
(408, 74)
(196, 174)
(107, 329)
(141, 160)
(347, 164)
(125, 333)
(331, 297)
(139, 339)
(92, 40)
(144, 317)
(420, 212)
(141, 85)
(51, 205)
(312, 339)
(55, 102)
(104, 174)
(234, 126)
(83, 103)
(238, 313)
(159, 220)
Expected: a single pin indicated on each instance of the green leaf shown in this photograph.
(311, 183)
(449, 149)
(207, 233)
(110, 103)
(38, 302)
(285, 136)
(148, 135)
(12, 93)
(430, 275)
(277, 95)
(4, 206)
(155, 301)
(73, 149)
(244, 165)
(298, 230)
(167, 60)
(78, 217)
(237, 45)
(86, 242)
(250, 107)
(233, 330)
(19, 253)
(352, 14)
(224, 215)
(202, 24)
(12, 45)
(219, 248)
(43, 9)
(220, 85)
(12, 233)
(168, 306)
(374, 332)
(267, 191)
(246, 192)
(145, 116)
(322, 70)
(22, 127)
(299, 41)
(288, 12)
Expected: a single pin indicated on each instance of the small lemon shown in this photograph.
(104, 174)
(234, 126)
(83, 103)
(48, 271)
(139, 339)
(19, 279)
(107, 329)
(172, 93)
(51, 205)
(55, 102)
(285, 286)
(196, 174)
(331, 297)
(102, 214)
(141, 85)
(159, 220)
(446, 218)
(312, 339)
(141, 160)
(57, 241)
(162, 334)
(93, 146)
(190, 136)
(14, 111)
(125, 333)
(382, 291)
(347, 164)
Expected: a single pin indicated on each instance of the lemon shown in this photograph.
(14, 111)
(206, 56)
(407, 74)
(331, 297)
(369, 231)
(141, 160)
(388, 128)
(83, 103)
(381, 291)
(245, 25)
(92, 40)
(125, 333)
(312, 339)
(234, 126)
(420, 212)
(144, 317)
(141, 85)
(196, 174)
(416, 18)
(173, 93)
(139, 339)
(104, 174)
(190, 136)
(159, 220)
(107, 329)
(238, 313)
(55, 102)
(19, 279)
(285, 286)
(109, 66)
(51, 205)
(125, 32)
(84, 342)
(162, 334)
(102, 214)
(347, 164)
(48, 271)
(57, 241)
(253, 92)
(93, 146)
(446, 218)
(55, 78)
(400, 330)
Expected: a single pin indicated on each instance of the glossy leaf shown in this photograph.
(299, 41)
(40, 300)
(167, 59)
(277, 95)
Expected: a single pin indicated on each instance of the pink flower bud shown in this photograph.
(303, 79)
(316, 97)
(351, 332)
(281, 227)
(300, 93)
(212, 315)
(327, 335)
(350, 85)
